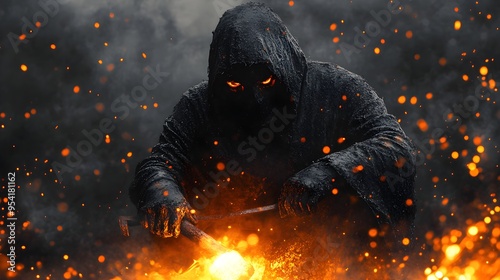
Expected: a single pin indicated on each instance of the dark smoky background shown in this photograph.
(433, 63)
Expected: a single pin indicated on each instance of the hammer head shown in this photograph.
(124, 221)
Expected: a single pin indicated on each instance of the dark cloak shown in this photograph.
(331, 107)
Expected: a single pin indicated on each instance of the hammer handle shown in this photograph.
(189, 230)
(204, 240)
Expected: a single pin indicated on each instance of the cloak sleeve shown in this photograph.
(170, 156)
(379, 161)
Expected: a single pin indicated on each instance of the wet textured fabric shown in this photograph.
(335, 124)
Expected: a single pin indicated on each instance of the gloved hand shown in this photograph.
(162, 209)
(302, 192)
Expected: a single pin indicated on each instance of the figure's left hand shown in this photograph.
(302, 192)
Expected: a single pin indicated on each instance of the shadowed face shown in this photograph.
(245, 96)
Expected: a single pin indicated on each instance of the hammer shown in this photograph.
(189, 230)
(195, 234)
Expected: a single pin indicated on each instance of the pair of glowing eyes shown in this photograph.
(268, 81)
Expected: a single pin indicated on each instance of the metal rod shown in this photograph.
(240, 213)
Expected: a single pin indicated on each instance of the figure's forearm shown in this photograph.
(149, 173)
(323, 173)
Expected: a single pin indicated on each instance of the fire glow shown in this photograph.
(230, 265)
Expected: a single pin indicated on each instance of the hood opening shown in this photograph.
(252, 34)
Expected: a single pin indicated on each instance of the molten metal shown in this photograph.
(231, 265)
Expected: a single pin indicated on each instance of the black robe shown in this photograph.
(334, 120)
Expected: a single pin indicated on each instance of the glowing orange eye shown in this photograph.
(233, 84)
(268, 81)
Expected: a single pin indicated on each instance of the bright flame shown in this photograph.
(452, 251)
(230, 265)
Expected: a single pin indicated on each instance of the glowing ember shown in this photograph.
(230, 265)
(483, 70)
(326, 150)
(402, 99)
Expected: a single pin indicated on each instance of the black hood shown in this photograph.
(253, 34)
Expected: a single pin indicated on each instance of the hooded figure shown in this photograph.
(270, 126)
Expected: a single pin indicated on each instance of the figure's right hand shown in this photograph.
(164, 207)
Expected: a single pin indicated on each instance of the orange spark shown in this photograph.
(326, 150)
(413, 100)
(62, 207)
(492, 84)
(483, 70)
(409, 202)
(406, 241)
(220, 166)
(99, 107)
(357, 169)
(422, 124)
(252, 239)
(442, 61)
(402, 99)
(65, 152)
